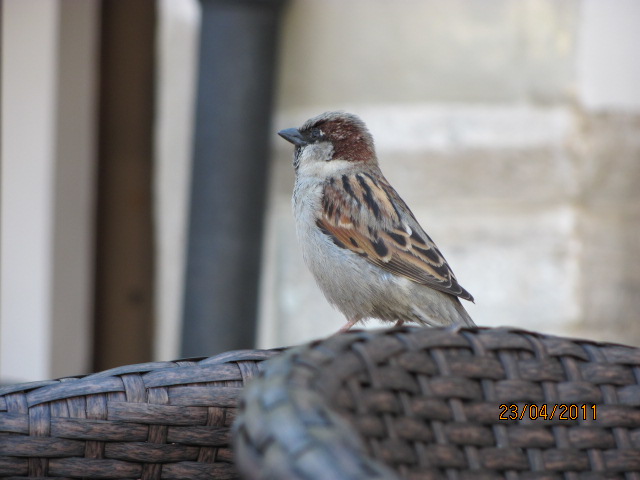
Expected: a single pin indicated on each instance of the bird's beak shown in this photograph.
(294, 136)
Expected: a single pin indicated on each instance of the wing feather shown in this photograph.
(364, 214)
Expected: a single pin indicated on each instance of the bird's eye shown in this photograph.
(315, 134)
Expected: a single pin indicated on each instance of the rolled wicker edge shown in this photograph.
(282, 410)
(288, 431)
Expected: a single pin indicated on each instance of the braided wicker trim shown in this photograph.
(150, 421)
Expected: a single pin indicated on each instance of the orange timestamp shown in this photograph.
(562, 411)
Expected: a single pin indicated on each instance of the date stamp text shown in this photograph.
(563, 411)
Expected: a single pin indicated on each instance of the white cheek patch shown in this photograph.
(323, 170)
(315, 161)
(316, 152)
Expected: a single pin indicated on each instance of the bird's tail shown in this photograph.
(443, 309)
(465, 318)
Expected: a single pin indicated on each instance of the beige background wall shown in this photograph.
(511, 128)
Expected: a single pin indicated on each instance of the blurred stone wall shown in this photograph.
(495, 121)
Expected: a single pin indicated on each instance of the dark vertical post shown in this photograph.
(237, 63)
(124, 234)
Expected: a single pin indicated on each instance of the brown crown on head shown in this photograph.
(347, 133)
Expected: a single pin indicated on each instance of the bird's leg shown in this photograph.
(347, 326)
(398, 324)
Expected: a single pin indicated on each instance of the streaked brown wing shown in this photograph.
(353, 204)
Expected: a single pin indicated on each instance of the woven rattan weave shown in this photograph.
(426, 403)
(150, 421)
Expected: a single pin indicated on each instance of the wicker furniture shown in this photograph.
(151, 421)
(425, 403)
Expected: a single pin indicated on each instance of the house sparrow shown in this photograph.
(363, 245)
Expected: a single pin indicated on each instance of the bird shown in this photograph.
(363, 245)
